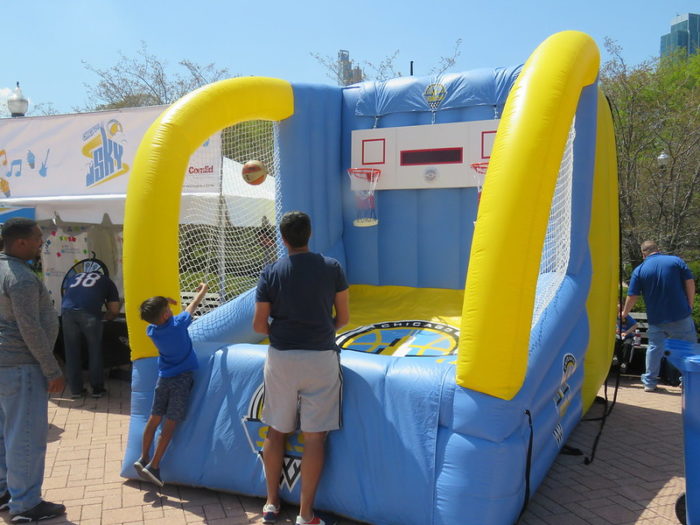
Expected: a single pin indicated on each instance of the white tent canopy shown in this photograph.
(245, 204)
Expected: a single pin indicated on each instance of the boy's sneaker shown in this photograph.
(139, 466)
(98, 393)
(270, 513)
(5, 501)
(314, 521)
(82, 393)
(152, 474)
(43, 511)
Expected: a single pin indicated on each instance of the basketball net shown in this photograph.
(227, 238)
(363, 182)
(479, 173)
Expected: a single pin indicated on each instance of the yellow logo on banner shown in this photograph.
(104, 152)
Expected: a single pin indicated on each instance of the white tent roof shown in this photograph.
(246, 204)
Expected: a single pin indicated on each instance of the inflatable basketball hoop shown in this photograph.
(363, 182)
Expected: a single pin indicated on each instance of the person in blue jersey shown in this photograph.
(668, 288)
(295, 299)
(625, 333)
(176, 364)
(81, 316)
(626, 327)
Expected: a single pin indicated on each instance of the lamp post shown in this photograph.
(16, 103)
(663, 160)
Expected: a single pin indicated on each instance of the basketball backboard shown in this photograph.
(428, 156)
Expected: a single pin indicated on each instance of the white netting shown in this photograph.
(557, 241)
(227, 226)
(363, 182)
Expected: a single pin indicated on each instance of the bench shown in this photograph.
(669, 375)
(642, 326)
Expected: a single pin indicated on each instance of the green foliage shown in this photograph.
(656, 107)
(239, 141)
(229, 272)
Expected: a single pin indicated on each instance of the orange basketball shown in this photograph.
(254, 172)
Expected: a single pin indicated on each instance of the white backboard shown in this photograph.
(428, 156)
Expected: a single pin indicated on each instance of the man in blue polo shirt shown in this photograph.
(81, 314)
(668, 288)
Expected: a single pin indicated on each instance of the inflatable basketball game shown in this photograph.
(478, 230)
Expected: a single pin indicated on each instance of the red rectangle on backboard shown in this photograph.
(373, 151)
(487, 138)
(421, 157)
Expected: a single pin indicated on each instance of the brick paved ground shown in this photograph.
(635, 478)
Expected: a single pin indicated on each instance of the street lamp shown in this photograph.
(663, 160)
(16, 103)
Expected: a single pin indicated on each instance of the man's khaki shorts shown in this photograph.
(303, 390)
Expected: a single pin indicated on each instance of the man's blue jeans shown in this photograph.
(657, 334)
(24, 423)
(74, 323)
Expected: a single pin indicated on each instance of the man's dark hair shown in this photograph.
(17, 228)
(152, 309)
(295, 228)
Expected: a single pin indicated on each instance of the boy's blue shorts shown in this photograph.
(172, 395)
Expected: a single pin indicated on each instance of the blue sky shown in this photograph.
(46, 47)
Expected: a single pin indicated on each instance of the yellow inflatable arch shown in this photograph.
(151, 239)
(512, 220)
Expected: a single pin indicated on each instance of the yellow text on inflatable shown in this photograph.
(153, 195)
(512, 218)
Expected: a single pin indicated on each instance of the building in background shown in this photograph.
(347, 73)
(684, 34)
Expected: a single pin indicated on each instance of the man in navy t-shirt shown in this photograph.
(81, 314)
(668, 288)
(294, 305)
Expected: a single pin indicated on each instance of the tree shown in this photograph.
(338, 69)
(656, 107)
(146, 80)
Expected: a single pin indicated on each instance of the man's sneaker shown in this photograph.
(5, 501)
(83, 393)
(139, 466)
(270, 513)
(152, 474)
(650, 389)
(98, 393)
(43, 511)
(314, 521)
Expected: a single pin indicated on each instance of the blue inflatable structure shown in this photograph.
(462, 425)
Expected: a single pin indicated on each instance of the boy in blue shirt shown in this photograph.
(176, 363)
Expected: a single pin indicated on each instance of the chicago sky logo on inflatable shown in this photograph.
(402, 339)
(105, 153)
(434, 94)
(256, 431)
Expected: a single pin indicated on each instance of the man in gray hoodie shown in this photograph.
(28, 372)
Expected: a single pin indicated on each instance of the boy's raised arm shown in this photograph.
(201, 290)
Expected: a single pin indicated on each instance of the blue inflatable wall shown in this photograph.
(416, 447)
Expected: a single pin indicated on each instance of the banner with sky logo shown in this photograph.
(87, 154)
